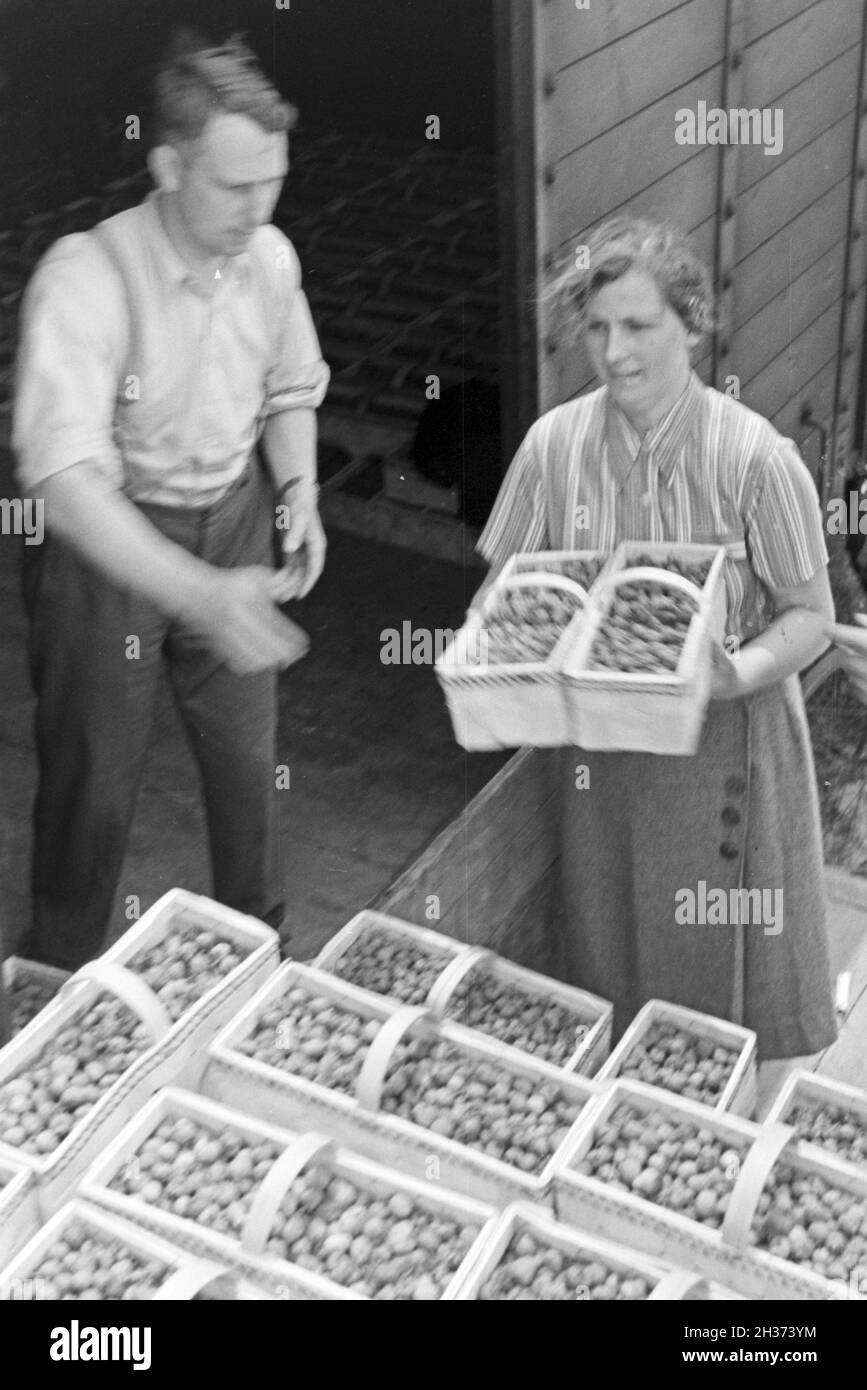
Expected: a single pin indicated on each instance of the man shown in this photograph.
(852, 645)
(157, 350)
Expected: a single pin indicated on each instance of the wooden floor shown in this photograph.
(375, 770)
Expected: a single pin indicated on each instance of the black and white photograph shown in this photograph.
(433, 697)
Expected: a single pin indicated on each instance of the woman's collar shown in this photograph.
(663, 442)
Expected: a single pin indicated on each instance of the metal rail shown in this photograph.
(727, 191)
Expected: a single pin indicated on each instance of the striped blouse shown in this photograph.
(710, 472)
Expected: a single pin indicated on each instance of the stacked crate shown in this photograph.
(397, 243)
(415, 1118)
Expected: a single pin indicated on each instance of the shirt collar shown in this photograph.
(663, 443)
(172, 265)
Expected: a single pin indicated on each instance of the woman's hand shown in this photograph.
(726, 682)
(852, 645)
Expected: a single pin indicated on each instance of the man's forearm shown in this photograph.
(112, 535)
(289, 441)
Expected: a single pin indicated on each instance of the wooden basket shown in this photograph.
(17, 969)
(509, 704)
(187, 1278)
(628, 553)
(805, 1087)
(643, 712)
(593, 1034)
(723, 1255)
(666, 1282)
(426, 942)
(249, 1256)
(554, 561)
(19, 1209)
(57, 1172)
(458, 959)
(739, 1094)
(201, 1021)
(294, 1103)
(256, 1277)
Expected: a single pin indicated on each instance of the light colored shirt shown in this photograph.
(710, 472)
(127, 359)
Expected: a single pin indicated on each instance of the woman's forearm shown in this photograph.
(792, 641)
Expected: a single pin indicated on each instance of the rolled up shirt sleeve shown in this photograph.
(784, 530)
(297, 377)
(70, 355)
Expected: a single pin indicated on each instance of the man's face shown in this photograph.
(230, 181)
(638, 345)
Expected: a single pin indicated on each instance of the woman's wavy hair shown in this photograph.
(626, 243)
(196, 79)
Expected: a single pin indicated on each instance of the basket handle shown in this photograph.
(125, 985)
(763, 1154)
(276, 1183)
(678, 1284)
(190, 1278)
(368, 1087)
(650, 574)
(539, 579)
(448, 980)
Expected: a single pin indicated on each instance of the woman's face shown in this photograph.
(639, 347)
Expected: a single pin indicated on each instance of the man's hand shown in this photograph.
(304, 544)
(852, 645)
(234, 611)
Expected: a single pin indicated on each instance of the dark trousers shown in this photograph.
(95, 704)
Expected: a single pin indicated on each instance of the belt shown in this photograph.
(173, 509)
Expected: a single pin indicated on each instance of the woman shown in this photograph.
(654, 455)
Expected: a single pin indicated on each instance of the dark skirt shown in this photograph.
(648, 831)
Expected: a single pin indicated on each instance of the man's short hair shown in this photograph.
(195, 80)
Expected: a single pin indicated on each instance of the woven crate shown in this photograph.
(644, 712)
(805, 1087)
(295, 1103)
(666, 1282)
(593, 1033)
(187, 1277)
(509, 704)
(248, 1256)
(739, 1094)
(723, 1255)
(17, 971)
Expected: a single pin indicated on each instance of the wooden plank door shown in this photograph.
(592, 110)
